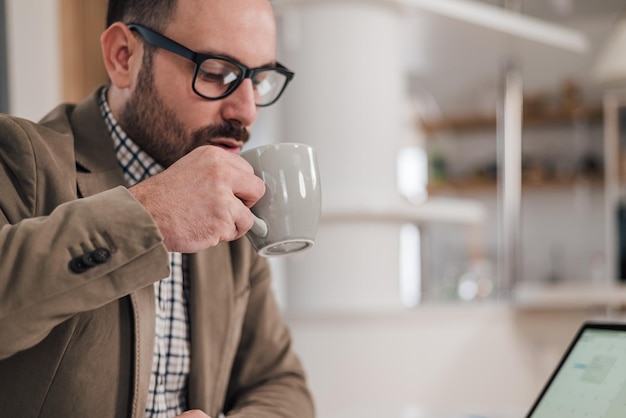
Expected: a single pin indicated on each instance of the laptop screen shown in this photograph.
(591, 378)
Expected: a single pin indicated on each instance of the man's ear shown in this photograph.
(122, 52)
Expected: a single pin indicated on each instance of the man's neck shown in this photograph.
(116, 99)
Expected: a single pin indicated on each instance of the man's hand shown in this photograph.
(194, 413)
(202, 199)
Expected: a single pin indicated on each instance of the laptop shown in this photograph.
(590, 380)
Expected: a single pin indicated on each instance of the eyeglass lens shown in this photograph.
(216, 76)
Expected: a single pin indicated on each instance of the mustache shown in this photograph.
(227, 129)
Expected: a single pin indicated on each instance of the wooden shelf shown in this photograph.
(537, 117)
(482, 185)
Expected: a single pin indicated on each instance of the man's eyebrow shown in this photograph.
(268, 64)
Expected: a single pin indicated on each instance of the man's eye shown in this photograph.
(211, 77)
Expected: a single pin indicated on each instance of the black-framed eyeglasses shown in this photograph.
(216, 76)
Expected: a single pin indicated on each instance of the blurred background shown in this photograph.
(472, 156)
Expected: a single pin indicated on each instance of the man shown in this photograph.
(126, 288)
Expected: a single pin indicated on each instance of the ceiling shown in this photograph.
(556, 10)
(459, 66)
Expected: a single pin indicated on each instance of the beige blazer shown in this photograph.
(79, 344)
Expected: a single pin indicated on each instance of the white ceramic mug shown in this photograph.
(287, 216)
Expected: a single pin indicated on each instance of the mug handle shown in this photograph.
(259, 228)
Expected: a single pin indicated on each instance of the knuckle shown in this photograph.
(247, 222)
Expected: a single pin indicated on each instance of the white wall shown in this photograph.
(348, 101)
(33, 57)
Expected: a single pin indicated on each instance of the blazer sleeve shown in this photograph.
(267, 378)
(59, 255)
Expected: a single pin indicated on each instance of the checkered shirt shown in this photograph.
(167, 394)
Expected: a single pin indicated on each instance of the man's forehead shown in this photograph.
(209, 13)
(235, 28)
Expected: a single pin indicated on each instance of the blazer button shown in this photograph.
(88, 260)
(77, 265)
(100, 255)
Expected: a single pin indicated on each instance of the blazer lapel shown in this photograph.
(143, 303)
(211, 291)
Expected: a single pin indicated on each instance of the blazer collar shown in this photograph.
(98, 168)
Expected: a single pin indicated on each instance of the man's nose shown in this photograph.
(240, 104)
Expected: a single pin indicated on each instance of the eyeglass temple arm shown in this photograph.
(158, 40)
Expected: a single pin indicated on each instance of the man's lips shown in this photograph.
(230, 145)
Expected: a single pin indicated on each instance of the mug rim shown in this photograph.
(279, 144)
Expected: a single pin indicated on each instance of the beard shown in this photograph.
(154, 127)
